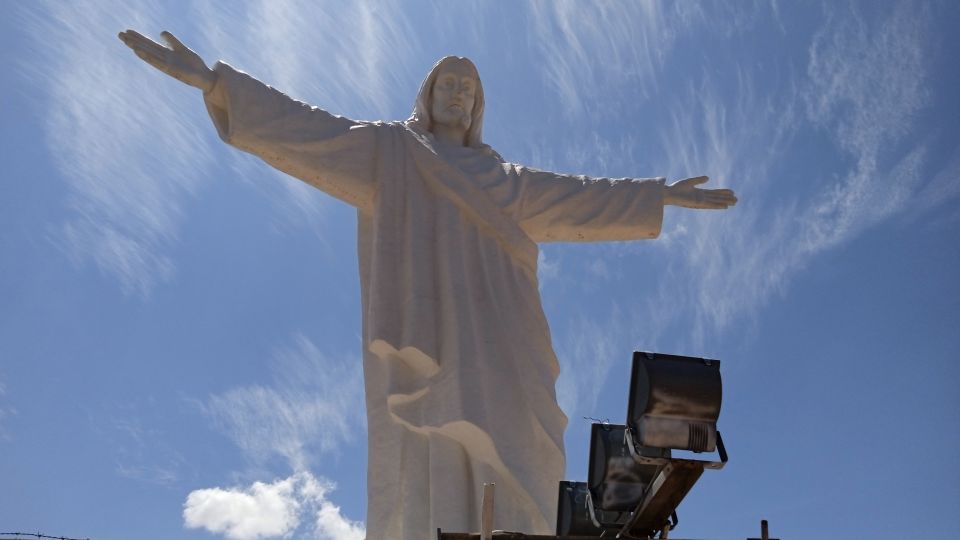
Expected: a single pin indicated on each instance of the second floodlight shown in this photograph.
(674, 401)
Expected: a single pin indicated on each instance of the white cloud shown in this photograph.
(271, 510)
(260, 511)
(331, 525)
(314, 404)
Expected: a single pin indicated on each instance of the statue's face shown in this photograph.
(453, 95)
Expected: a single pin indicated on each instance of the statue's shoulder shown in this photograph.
(393, 128)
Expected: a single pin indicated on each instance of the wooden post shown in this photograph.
(764, 530)
(486, 513)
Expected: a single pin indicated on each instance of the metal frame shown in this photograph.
(665, 493)
(715, 465)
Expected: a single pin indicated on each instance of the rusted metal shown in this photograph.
(764, 531)
(520, 536)
(511, 536)
(662, 497)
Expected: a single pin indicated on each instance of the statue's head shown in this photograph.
(451, 94)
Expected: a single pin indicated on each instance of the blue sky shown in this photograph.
(180, 324)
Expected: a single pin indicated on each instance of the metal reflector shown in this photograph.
(674, 401)
(573, 515)
(616, 479)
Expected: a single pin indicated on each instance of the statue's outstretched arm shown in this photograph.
(177, 60)
(685, 193)
(552, 207)
(332, 153)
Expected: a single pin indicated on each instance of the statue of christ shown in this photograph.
(459, 370)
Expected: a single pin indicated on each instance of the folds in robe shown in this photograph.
(458, 365)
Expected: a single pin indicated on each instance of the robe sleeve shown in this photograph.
(332, 153)
(553, 207)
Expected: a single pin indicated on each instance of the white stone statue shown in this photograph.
(458, 364)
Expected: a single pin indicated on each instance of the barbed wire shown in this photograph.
(39, 535)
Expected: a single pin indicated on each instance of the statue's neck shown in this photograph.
(452, 135)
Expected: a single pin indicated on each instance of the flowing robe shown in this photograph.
(458, 365)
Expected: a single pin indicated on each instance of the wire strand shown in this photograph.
(39, 535)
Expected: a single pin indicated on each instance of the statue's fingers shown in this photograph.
(145, 45)
(172, 40)
(726, 196)
(128, 34)
(719, 192)
(158, 52)
(697, 180)
(722, 198)
(709, 204)
(132, 39)
(153, 49)
(129, 38)
(153, 60)
(727, 202)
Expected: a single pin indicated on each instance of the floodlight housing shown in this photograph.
(634, 484)
(574, 516)
(616, 480)
(674, 401)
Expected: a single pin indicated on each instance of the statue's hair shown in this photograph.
(420, 118)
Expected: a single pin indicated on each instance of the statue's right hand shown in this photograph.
(177, 61)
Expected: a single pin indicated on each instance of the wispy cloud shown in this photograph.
(344, 56)
(341, 57)
(585, 47)
(588, 355)
(6, 412)
(860, 95)
(730, 262)
(864, 86)
(271, 510)
(594, 53)
(313, 406)
(127, 153)
(140, 450)
(867, 82)
(943, 187)
(133, 145)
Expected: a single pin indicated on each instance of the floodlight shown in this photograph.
(574, 517)
(674, 401)
(616, 480)
(634, 484)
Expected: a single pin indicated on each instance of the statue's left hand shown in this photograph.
(177, 60)
(685, 193)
